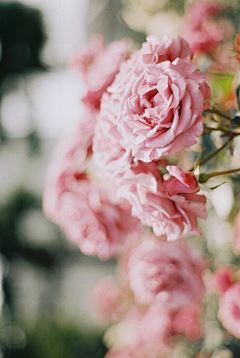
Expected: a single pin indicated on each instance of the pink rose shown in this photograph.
(202, 28)
(166, 272)
(144, 188)
(229, 310)
(156, 51)
(153, 51)
(110, 154)
(161, 109)
(181, 183)
(99, 64)
(181, 189)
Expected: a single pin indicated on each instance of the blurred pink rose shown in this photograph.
(229, 310)
(68, 165)
(181, 189)
(109, 301)
(166, 272)
(202, 27)
(187, 321)
(145, 332)
(110, 154)
(122, 353)
(222, 279)
(160, 111)
(98, 65)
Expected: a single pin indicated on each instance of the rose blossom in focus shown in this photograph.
(110, 152)
(202, 28)
(98, 65)
(229, 310)
(166, 272)
(161, 107)
(153, 51)
(143, 187)
(146, 191)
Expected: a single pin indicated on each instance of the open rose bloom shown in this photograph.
(118, 187)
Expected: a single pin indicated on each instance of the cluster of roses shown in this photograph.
(113, 176)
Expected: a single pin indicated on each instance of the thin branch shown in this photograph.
(215, 111)
(210, 156)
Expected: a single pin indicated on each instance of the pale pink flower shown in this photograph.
(144, 188)
(166, 272)
(99, 64)
(229, 310)
(109, 152)
(161, 107)
(181, 182)
(202, 27)
(153, 51)
(222, 279)
(187, 321)
(181, 189)
(156, 51)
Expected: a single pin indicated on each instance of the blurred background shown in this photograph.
(44, 280)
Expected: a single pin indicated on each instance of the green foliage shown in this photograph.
(221, 83)
(54, 340)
